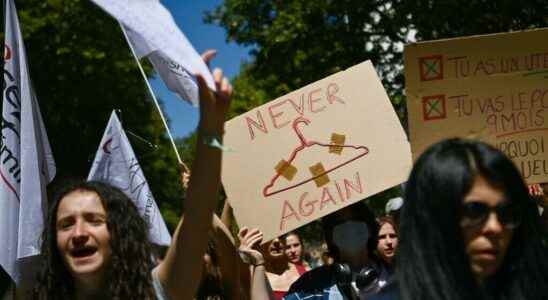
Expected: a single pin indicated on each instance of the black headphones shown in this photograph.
(365, 279)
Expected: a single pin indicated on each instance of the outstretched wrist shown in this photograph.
(251, 259)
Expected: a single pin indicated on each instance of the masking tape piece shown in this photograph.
(337, 141)
(285, 169)
(317, 170)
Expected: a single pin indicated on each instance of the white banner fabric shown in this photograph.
(115, 163)
(152, 28)
(26, 161)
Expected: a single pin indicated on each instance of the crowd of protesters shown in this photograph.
(467, 227)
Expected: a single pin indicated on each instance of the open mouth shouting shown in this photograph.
(84, 252)
(83, 237)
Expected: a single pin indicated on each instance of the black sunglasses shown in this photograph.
(476, 213)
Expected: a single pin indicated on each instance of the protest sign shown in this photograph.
(314, 151)
(492, 88)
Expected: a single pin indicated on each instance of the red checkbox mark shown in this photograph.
(433, 107)
(431, 67)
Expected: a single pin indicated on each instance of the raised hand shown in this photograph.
(249, 243)
(536, 190)
(213, 105)
(183, 261)
(184, 173)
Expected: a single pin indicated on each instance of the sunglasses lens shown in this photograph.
(474, 213)
(509, 215)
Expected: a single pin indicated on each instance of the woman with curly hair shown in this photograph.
(469, 229)
(95, 235)
(95, 243)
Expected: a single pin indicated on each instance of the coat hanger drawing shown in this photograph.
(362, 151)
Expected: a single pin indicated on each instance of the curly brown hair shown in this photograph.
(129, 275)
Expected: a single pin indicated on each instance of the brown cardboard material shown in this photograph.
(296, 128)
(493, 88)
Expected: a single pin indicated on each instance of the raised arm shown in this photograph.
(249, 242)
(229, 261)
(181, 270)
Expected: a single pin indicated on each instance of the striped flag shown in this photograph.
(26, 162)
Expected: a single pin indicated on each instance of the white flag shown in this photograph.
(175, 76)
(26, 162)
(116, 164)
(151, 29)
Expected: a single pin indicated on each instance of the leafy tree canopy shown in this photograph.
(82, 68)
(296, 42)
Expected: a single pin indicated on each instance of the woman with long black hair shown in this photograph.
(469, 229)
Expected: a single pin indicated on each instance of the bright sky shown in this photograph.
(189, 16)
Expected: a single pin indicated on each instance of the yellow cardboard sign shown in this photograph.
(493, 88)
(282, 174)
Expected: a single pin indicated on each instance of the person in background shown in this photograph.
(211, 285)
(221, 263)
(277, 267)
(388, 241)
(251, 254)
(351, 235)
(315, 259)
(281, 277)
(280, 272)
(327, 259)
(540, 193)
(294, 251)
(469, 229)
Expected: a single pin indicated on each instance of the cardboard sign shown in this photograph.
(314, 151)
(493, 88)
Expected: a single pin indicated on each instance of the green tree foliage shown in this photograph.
(437, 19)
(82, 69)
(297, 42)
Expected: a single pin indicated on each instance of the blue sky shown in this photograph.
(189, 16)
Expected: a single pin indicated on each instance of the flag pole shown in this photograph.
(153, 96)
